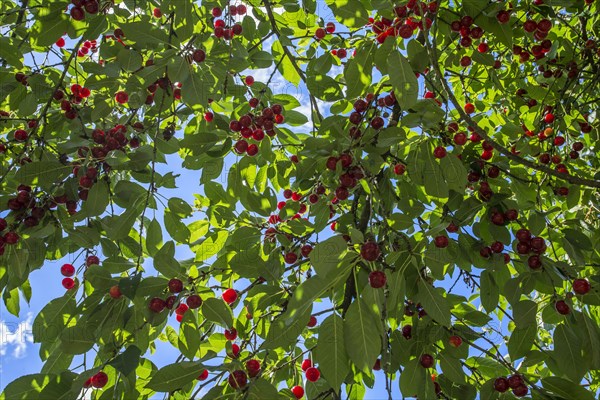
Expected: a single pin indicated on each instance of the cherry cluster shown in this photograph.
(164, 84)
(224, 30)
(113, 139)
(254, 125)
(97, 381)
(311, 372)
(68, 271)
(409, 18)
(80, 7)
(532, 246)
(320, 33)
(514, 382)
(9, 237)
(362, 108)
(69, 105)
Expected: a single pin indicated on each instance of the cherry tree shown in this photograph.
(304, 199)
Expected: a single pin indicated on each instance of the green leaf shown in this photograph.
(330, 353)
(211, 245)
(472, 8)
(451, 367)
(434, 303)
(77, 339)
(349, 12)
(129, 59)
(43, 173)
(51, 320)
(566, 389)
(97, 201)
(567, 353)
(403, 79)
(358, 71)
(175, 376)
(17, 263)
(521, 340)
(454, 172)
(326, 255)
(217, 311)
(413, 378)
(127, 361)
(524, 313)
(489, 291)
(286, 67)
(261, 59)
(189, 337)
(26, 387)
(362, 335)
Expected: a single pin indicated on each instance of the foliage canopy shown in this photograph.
(409, 187)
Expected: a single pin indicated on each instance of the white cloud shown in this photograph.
(15, 336)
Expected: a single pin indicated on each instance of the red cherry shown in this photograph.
(238, 379)
(312, 322)
(194, 301)
(497, 247)
(534, 262)
(252, 150)
(581, 286)
(514, 381)
(235, 351)
(501, 384)
(370, 251)
(68, 283)
(157, 305)
(203, 375)
(455, 341)
(561, 306)
(20, 135)
(330, 27)
(426, 361)
(469, 108)
(92, 260)
(115, 292)
(291, 258)
(313, 374)
(441, 241)
(377, 365)
(216, 12)
(377, 279)
(298, 391)
(11, 237)
(306, 364)
(439, 152)
(231, 334)
(305, 250)
(181, 309)
(549, 118)
(67, 270)
(249, 80)
(229, 296)
(253, 367)
(121, 97)
(520, 391)
(77, 13)
(99, 380)
(175, 285)
(240, 146)
(399, 169)
(157, 12)
(199, 55)
(460, 138)
(320, 33)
